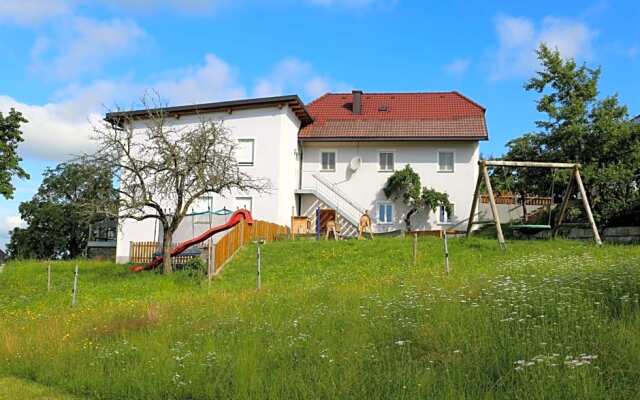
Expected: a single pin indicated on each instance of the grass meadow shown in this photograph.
(334, 320)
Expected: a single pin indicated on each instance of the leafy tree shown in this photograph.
(405, 185)
(58, 220)
(581, 128)
(10, 136)
(162, 168)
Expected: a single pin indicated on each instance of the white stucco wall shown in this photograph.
(365, 185)
(275, 132)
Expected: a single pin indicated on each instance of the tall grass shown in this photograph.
(553, 319)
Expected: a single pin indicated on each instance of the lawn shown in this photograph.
(352, 319)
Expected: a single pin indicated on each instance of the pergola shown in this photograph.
(575, 180)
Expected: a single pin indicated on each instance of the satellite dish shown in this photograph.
(355, 163)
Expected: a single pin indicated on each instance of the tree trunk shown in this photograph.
(407, 218)
(167, 238)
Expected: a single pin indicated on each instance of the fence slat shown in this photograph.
(240, 235)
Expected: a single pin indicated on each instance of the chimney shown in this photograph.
(357, 101)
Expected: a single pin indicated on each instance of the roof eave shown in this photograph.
(292, 101)
(391, 138)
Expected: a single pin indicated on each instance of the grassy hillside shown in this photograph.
(546, 319)
(13, 388)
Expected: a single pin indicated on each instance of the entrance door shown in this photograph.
(326, 215)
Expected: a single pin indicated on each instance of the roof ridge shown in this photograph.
(391, 93)
(319, 98)
(469, 100)
(395, 118)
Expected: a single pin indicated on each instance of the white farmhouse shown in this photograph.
(335, 154)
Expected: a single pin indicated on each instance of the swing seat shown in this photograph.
(531, 229)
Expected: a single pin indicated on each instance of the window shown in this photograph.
(385, 213)
(245, 202)
(386, 161)
(444, 217)
(446, 161)
(328, 160)
(245, 151)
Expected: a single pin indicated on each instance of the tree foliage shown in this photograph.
(163, 165)
(58, 221)
(579, 127)
(10, 137)
(405, 185)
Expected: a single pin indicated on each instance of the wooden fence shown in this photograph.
(142, 252)
(511, 199)
(242, 234)
(225, 248)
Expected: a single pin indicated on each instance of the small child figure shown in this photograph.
(331, 227)
(365, 223)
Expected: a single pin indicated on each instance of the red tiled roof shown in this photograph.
(409, 116)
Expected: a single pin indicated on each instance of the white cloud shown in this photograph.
(292, 75)
(31, 12)
(458, 66)
(62, 127)
(215, 80)
(518, 38)
(84, 45)
(7, 224)
(50, 133)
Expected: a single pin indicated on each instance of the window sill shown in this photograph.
(446, 172)
(384, 223)
(387, 171)
(327, 170)
(245, 165)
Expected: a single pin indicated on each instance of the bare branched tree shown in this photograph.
(163, 166)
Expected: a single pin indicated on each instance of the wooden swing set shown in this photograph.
(574, 180)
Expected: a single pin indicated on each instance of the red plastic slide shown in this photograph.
(234, 220)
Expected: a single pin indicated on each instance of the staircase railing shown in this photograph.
(343, 204)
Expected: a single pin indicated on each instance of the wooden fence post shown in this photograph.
(259, 264)
(446, 253)
(74, 296)
(415, 248)
(211, 266)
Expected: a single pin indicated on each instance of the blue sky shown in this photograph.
(64, 62)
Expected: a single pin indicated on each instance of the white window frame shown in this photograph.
(253, 151)
(393, 212)
(240, 199)
(453, 167)
(451, 218)
(335, 160)
(393, 166)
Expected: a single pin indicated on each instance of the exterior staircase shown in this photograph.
(328, 195)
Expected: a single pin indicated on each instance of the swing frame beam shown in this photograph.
(574, 181)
